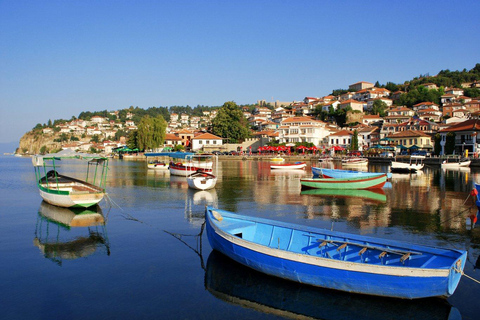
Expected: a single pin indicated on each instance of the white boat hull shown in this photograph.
(455, 165)
(202, 182)
(288, 166)
(71, 199)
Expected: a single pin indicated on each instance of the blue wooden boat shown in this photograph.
(335, 260)
(341, 174)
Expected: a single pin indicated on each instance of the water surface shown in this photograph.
(147, 260)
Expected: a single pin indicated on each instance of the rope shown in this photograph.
(466, 275)
(124, 213)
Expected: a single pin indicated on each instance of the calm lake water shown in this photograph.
(148, 261)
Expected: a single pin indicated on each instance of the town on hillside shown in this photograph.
(423, 127)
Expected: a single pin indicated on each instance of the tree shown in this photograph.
(230, 123)
(151, 132)
(450, 143)
(437, 147)
(379, 107)
(95, 138)
(132, 139)
(354, 144)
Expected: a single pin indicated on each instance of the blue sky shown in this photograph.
(59, 58)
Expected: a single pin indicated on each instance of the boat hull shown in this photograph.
(342, 174)
(455, 165)
(367, 182)
(158, 166)
(289, 166)
(70, 200)
(408, 283)
(201, 181)
(184, 171)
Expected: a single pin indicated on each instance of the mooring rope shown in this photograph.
(466, 275)
(125, 214)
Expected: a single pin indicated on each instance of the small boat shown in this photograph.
(366, 182)
(377, 195)
(201, 180)
(335, 260)
(277, 159)
(455, 163)
(157, 161)
(186, 163)
(339, 173)
(65, 191)
(415, 164)
(289, 166)
(354, 161)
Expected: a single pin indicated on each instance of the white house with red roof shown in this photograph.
(303, 129)
(206, 141)
(342, 138)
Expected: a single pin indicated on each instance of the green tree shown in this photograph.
(379, 107)
(132, 139)
(230, 123)
(43, 150)
(450, 143)
(354, 144)
(437, 146)
(151, 132)
(95, 138)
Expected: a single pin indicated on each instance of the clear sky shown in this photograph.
(59, 58)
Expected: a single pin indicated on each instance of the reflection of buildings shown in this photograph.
(420, 201)
(68, 234)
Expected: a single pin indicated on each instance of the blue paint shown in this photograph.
(305, 241)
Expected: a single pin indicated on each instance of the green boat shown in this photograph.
(367, 182)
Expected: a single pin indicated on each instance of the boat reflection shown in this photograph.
(195, 202)
(234, 283)
(60, 232)
(373, 195)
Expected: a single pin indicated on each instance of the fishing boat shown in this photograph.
(455, 163)
(186, 163)
(366, 182)
(239, 285)
(66, 191)
(339, 173)
(354, 161)
(289, 166)
(201, 180)
(415, 164)
(335, 260)
(157, 160)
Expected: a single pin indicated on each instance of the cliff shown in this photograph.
(32, 142)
